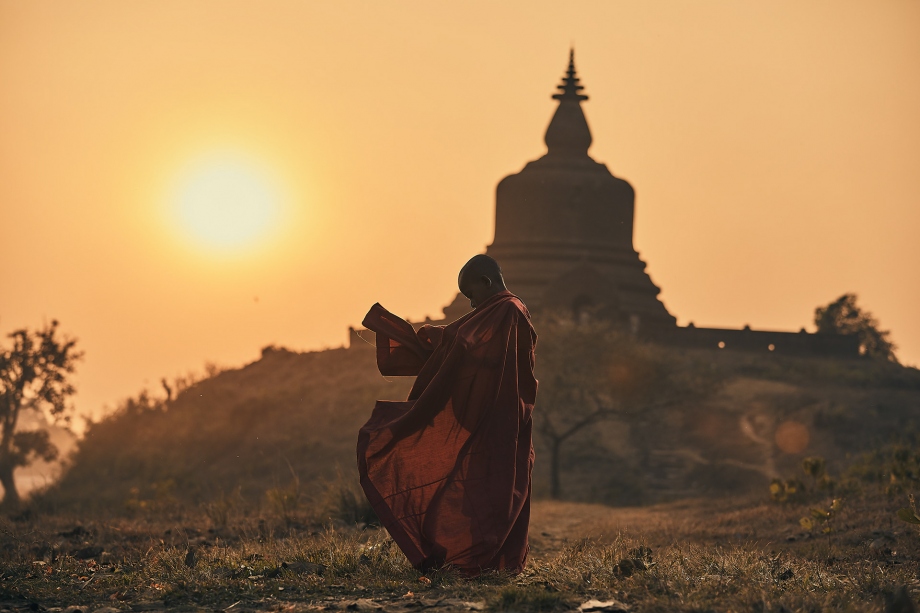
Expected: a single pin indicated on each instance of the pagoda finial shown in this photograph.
(570, 89)
(568, 132)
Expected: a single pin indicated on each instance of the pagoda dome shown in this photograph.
(565, 197)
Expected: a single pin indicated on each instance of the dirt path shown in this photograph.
(572, 520)
(553, 524)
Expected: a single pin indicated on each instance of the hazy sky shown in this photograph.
(774, 148)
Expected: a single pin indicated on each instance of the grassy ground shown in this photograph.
(702, 555)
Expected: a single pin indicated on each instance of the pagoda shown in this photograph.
(564, 240)
(564, 228)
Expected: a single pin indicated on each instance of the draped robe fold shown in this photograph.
(448, 471)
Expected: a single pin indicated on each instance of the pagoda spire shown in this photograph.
(570, 88)
(568, 133)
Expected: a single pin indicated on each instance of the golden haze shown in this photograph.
(773, 146)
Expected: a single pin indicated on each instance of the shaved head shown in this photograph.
(483, 266)
(480, 278)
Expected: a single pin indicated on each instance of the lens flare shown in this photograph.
(792, 437)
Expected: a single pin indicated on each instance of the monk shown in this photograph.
(448, 471)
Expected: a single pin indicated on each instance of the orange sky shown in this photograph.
(774, 148)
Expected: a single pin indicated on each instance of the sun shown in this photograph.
(226, 203)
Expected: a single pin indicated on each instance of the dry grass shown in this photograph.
(691, 556)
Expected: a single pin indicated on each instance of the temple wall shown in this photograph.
(761, 341)
(801, 344)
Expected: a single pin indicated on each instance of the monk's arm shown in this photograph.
(430, 336)
(400, 351)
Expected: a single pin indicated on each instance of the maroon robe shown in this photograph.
(448, 470)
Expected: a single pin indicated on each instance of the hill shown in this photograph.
(240, 431)
(248, 430)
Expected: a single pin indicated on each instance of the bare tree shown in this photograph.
(35, 375)
(591, 371)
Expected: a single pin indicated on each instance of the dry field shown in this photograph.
(180, 504)
(698, 555)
